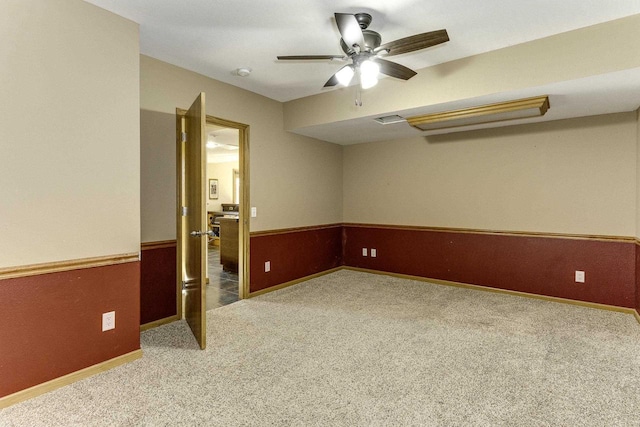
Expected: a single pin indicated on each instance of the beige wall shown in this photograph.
(638, 175)
(69, 169)
(570, 176)
(295, 181)
(223, 172)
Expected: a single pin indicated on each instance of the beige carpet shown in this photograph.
(357, 349)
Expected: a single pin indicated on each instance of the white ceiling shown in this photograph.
(222, 144)
(214, 38)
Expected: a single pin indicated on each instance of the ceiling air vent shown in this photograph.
(387, 120)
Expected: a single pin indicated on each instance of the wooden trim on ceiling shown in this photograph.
(623, 239)
(55, 383)
(489, 113)
(58, 266)
(637, 315)
(294, 229)
(145, 246)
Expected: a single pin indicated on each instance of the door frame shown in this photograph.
(244, 215)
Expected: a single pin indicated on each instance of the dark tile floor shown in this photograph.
(223, 285)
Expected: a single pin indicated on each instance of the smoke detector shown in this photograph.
(243, 71)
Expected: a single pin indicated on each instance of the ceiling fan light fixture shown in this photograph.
(345, 75)
(368, 82)
(369, 74)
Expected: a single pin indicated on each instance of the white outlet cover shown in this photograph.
(254, 212)
(364, 251)
(374, 253)
(267, 266)
(580, 276)
(108, 321)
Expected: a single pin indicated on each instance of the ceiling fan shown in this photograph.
(366, 52)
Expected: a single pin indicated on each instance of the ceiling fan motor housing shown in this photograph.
(364, 19)
(371, 41)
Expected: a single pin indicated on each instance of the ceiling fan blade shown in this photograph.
(413, 43)
(350, 30)
(332, 81)
(335, 79)
(394, 69)
(308, 57)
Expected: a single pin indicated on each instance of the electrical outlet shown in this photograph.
(364, 251)
(374, 253)
(108, 321)
(579, 276)
(267, 266)
(254, 212)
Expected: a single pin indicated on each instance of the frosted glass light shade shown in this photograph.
(345, 75)
(369, 74)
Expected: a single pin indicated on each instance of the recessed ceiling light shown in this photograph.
(243, 71)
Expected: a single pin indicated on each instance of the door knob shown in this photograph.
(201, 233)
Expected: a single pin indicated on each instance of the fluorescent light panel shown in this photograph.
(503, 111)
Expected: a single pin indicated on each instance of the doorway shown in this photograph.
(205, 231)
(223, 203)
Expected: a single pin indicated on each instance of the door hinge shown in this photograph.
(184, 211)
(187, 284)
(183, 137)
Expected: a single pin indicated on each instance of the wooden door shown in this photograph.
(195, 246)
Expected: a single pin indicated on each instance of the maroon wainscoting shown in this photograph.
(51, 324)
(637, 278)
(538, 265)
(157, 281)
(294, 254)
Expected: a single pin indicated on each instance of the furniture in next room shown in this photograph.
(229, 249)
(213, 220)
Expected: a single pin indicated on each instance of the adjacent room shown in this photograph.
(303, 213)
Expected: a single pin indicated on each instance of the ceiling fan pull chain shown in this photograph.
(358, 96)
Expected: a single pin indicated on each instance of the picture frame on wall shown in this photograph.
(213, 189)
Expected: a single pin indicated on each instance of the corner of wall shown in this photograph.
(637, 272)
